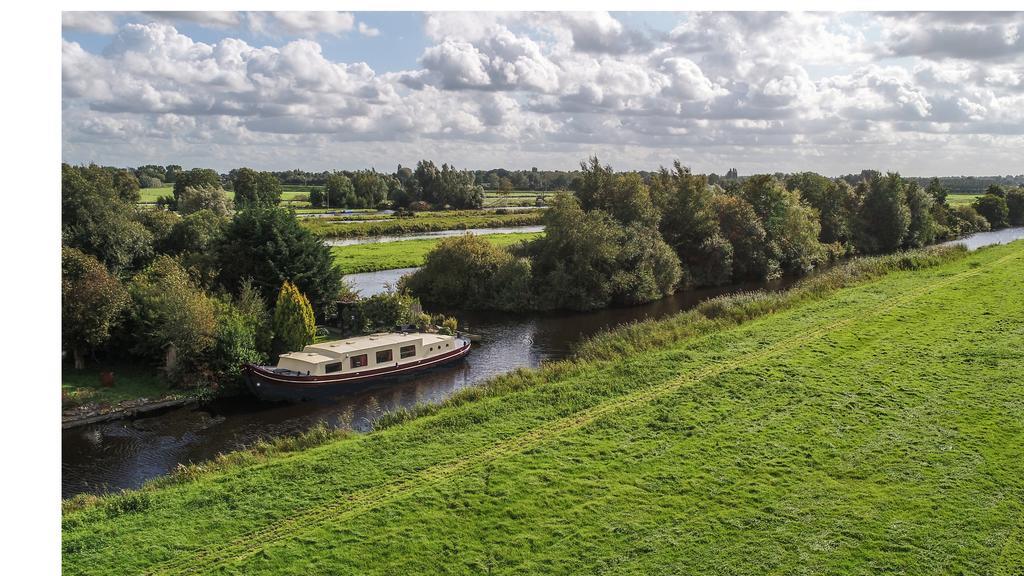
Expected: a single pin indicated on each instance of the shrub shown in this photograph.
(966, 220)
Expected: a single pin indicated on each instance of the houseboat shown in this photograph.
(329, 368)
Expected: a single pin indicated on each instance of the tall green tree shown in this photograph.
(624, 196)
(1015, 206)
(884, 216)
(196, 177)
(923, 227)
(96, 220)
(254, 188)
(269, 246)
(294, 325)
(339, 192)
(937, 191)
(196, 198)
(92, 303)
(370, 188)
(689, 225)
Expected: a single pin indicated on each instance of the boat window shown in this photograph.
(334, 367)
(407, 351)
(358, 361)
(384, 356)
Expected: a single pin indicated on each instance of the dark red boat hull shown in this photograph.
(267, 385)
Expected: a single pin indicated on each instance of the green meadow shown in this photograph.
(871, 420)
(423, 222)
(404, 253)
(961, 199)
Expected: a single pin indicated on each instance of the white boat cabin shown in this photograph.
(363, 353)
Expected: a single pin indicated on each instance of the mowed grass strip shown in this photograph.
(876, 430)
(404, 253)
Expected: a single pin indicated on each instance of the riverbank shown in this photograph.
(374, 257)
(840, 417)
(85, 399)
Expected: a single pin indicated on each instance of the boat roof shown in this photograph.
(358, 343)
(308, 357)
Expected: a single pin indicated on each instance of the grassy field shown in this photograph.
(959, 199)
(877, 428)
(403, 254)
(422, 222)
(288, 193)
(130, 383)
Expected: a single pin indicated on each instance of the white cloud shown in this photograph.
(367, 30)
(95, 22)
(775, 90)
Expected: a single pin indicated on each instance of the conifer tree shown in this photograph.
(294, 325)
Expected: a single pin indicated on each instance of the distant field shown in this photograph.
(150, 195)
(959, 199)
(404, 253)
(422, 222)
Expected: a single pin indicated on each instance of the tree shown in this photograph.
(791, 227)
(1015, 206)
(994, 209)
(884, 216)
(92, 301)
(339, 192)
(371, 189)
(159, 223)
(648, 268)
(173, 319)
(624, 196)
(996, 190)
(269, 246)
(936, 191)
(196, 177)
(126, 185)
(196, 198)
(294, 325)
(831, 198)
(254, 188)
(96, 220)
(242, 334)
(690, 226)
(741, 227)
(923, 228)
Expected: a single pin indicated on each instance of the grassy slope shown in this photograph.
(403, 254)
(877, 430)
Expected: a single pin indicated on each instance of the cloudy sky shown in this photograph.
(922, 93)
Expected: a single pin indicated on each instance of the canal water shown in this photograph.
(126, 453)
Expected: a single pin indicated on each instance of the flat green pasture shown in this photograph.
(404, 253)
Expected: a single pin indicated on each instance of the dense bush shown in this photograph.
(470, 272)
(994, 209)
(195, 178)
(173, 319)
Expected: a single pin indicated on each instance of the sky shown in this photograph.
(938, 93)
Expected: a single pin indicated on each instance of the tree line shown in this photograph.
(199, 292)
(623, 238)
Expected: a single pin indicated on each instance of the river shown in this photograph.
(126, 453)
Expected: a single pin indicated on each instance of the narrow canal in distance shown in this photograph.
(126, 453)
